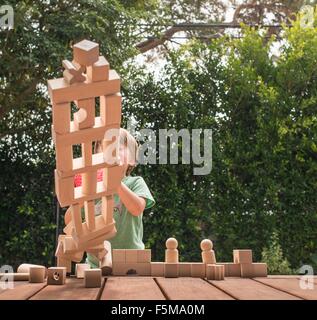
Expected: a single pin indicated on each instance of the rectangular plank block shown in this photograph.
(110, 109)
(61, 117)
(131, 268)
(60, 91)
(131, 255)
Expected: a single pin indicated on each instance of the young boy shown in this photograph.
(131, 199)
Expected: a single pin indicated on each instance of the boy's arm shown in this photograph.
(132, 202)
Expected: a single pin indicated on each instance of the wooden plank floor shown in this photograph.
(149, 288)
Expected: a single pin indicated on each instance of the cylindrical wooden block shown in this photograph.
(208, 257)
(37, 274)
(25, 268)
(171, 255)
(106, 262)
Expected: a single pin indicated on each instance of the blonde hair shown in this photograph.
(127, 140)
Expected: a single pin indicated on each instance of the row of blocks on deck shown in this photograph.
(127, 261)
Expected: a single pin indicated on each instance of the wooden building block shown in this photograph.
(198, 270)
(61, 117)
(131, 255)
(171, 270)
(242, 256)
(99, 71)
(171, 255)
(15, 276)
(64, 156)
(37, 274)
(118, 256)
(123, 268)
(110, 109)
(107, 209)
(80, 268)
(112, 177)
(25, 268)
(92, 278)
(86, 154)
(215, 272)
(232, 269)
(144, 255)
(208, 257)
(90, 214)
(86, 52)
(97, 132)
(131, 268)
(60, 91)
(64, 189)
(56, 276)
(106, 262)
(85, 117)
(157, 269)
(259, 270)
(185, 269)
(64, 263)
(72, 73)
(247, 270)
(89, 183)
(143, 268)
(101, 231)
(110, 147)
(76, 219)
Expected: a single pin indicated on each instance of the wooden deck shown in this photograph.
(149, 288)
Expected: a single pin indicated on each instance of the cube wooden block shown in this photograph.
(215, 272)
(157, 269)
(144, 255)
(171, 270)
(144, 268)
(92, 278)
(37, 274)
(246, 270)
(242, 256)
(99, 71)
(232, 269)
(259, 270)
(118, 255)
(86, 52)
(184, 269)
(131, 255)
(80, 269)
(198, 270)
(56, 276)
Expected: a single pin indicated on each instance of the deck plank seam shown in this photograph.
(282, 290)
(166, 296)
(221, 289)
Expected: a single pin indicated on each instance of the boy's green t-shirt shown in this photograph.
(129, 227)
